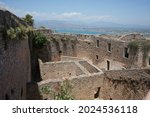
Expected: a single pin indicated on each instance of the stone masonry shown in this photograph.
(14, 60)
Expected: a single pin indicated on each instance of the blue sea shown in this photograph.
(99, 31)
(81, 31)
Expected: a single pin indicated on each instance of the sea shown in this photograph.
(109, 31)
(81, 31)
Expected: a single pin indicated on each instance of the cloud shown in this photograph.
(68, 16)
(3, 6)
(84, 17)
(57, 16)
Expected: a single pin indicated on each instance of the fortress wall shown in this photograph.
(80, 89)
(59, 70)
(126, 84)
(122, 85)
(86, 87)
(44, 53)
(85, 50)
(100, 55)
(67, 44)
(85, 47)
(57, 45)
(14, 61)
(132, 37)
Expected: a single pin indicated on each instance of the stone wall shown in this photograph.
(87, 49)
(57, 45)
(109, 49)
(126, 84)
(80, 89)
(14, 60)
(59, 70)
(111, 85)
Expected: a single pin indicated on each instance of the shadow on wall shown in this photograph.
(32, 88)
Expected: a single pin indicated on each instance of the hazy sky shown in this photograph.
(118, 11)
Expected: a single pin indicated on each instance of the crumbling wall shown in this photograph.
(14, 60)
(111, 85)
(57, 46)
(83, 87)
(126, 84)
(132, 37)
(87, 49)
(59, 70)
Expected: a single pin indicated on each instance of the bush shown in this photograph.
(45, 90)
(39, 40)
(65, 92)
(17, 33)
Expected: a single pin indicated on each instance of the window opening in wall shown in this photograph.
(7, 97)
(109, 47)
(97, 93)
(126, 52)
(148, 60)
(21, 92)
(108, 65)
(97, 57)
(60, 52)
(97, 43)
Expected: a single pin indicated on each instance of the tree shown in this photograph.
(29, 20)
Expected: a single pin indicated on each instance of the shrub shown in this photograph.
(39, 40)
(65, 91)
(45, 90)
(17, 33)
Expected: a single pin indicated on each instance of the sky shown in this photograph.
(116, 11)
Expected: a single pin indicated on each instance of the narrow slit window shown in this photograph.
(109, 47)
(97, 43)
(108, 65)
(126, 52)
(97, 57)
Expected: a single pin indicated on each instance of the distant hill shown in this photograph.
(78, 27)
(56, 24)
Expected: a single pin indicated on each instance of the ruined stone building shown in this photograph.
(100, 64)
(97, 66)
